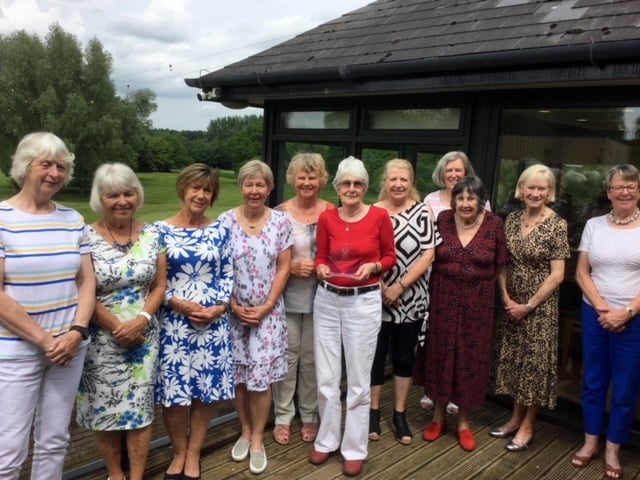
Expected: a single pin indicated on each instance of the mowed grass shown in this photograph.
(161, 199)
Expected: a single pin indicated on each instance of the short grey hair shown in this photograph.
(36, 145)
(113, 177)
(256, 168)
(446, 159)
(351, 167)
(627, 171)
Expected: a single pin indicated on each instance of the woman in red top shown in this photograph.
(355, 245)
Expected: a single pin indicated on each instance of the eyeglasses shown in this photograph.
(347, 184)
(628, 188)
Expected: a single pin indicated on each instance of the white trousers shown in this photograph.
(350, 324)
(35, 391)
(301, 375)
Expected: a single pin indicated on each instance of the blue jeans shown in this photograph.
(609, 358)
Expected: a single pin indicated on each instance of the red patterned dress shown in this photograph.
(459, 348)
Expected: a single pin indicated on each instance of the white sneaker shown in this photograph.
(240, 450)
(426, 403)
(258, 461)
(452, 408)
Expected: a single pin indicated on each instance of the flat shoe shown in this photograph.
(452, 408)
(240, 450)
(579, 461)
(352, 468)
(514, 446)
(433, 431)
(612, 472)
(502, 432)
(318, 458)
(309, 432)
(466, 440)
(282, 434)
(258, 461)
(173, 476)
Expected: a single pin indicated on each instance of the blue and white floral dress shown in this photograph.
(116, 390)
(196, 362)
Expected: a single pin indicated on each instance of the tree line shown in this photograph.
(56, 84)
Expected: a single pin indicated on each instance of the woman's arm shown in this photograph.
(587, 285)
(393, 292)
(15, 319)
(132, 332)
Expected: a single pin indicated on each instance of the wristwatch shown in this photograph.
(226, 305)
(631, 312)
(84, 331)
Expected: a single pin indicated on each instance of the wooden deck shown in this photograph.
(547, 458)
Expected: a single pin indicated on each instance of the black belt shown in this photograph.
(349, 291)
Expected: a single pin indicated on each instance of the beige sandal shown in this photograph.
(309, 432)
(282, 434)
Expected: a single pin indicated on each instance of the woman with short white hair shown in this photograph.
(355, 245)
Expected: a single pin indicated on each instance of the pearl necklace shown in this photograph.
(628, 220)
(462, 225)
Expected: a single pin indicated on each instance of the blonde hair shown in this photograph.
(404, 165)
(541, 171)
(308, 163)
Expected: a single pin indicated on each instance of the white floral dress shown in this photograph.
(196, 362)
(116, 390)
(259, 353)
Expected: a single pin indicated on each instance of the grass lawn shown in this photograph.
(161, 199)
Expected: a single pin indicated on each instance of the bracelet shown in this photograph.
(377, 267)
(146, 315)
(528, 307)
(222, 303)
(404, 287)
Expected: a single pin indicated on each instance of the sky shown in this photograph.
(156, 44)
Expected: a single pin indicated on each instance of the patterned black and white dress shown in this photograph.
(414, 233)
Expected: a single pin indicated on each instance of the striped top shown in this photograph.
(41, 261)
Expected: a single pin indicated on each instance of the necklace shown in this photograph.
(627, 221)
(462, 225)
(539, 219)
(121, 247)
(246, 222)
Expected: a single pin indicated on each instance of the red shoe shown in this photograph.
(467, 440)
(434, 431)
(318, 458)
(352, 468)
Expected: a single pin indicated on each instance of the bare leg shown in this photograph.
(401, 387)
(517, 416)
(439, 413)
(375, 396)
(588, 450)
(463, 419)
(138, 443)
(241, 404)
(201, 414)
(612, 459)
(527, 425)
(110, 445)
(176, 422)
(259, 406)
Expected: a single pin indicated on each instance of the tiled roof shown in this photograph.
(395, 32)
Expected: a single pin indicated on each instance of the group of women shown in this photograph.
(262, 305)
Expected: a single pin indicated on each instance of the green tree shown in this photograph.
(54, 85)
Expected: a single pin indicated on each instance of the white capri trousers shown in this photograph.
(35, 391)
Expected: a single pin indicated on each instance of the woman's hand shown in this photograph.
(517, 312)
(323, 272)
(303, 268)
(613, 319)
(62, 349)
(204, 317)
(365, 271)
(130, 333)
(392, 294)
(252, 316)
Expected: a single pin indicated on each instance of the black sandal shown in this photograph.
(374, 424)
(403, 434)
